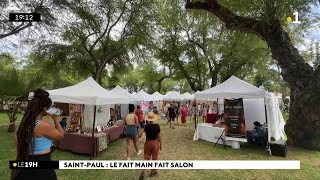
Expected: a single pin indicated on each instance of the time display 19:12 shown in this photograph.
(20, 17)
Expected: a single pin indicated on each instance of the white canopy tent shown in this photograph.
(159, 100)
(119, 91)
(142, 96)
(172, 96)
(232, 88)
(88, 92)
(254, 100)
(157, 96)
(187, 96)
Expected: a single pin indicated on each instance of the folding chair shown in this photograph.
(223, 140)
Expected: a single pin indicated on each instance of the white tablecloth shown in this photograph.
(206, 131)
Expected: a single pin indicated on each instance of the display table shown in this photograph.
(115, 132)
(206, 131)
(81, 143)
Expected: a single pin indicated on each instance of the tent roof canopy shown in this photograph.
(232, 88)
(86, 92)
(120, 92)
(157, 96)
(172, 96)
(187, 96)
(142, 96)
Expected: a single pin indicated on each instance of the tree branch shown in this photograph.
(20, 28)
(16, 30)
(83, 43)
(118, 19)
(231, 20)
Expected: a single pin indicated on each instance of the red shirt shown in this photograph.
(184, 112)
(139, 113)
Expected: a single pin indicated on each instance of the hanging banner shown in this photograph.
(234, 118)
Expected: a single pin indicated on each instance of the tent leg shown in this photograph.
(92, 137)
(195, 118)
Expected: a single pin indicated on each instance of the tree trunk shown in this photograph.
(159, 82)
(12, 127)
(1, 105)
(98, 74)
(214, 75)
(12, 114)
(159, 86)
(303, 125)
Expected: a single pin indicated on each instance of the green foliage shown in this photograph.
(189, 50)
(7, 62)
(197, 48)
(101, 33)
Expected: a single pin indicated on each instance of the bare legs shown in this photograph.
(171, 123)
(135, 143)
(128, 147)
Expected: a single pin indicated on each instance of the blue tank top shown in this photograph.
(40, 143)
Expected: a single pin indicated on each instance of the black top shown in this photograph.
(63, 124)
(152, 131)
(172, 112)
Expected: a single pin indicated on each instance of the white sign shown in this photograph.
(230, 164)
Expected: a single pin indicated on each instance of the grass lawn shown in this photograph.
(177, 145)
(4, 119)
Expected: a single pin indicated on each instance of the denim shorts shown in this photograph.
(131, 131)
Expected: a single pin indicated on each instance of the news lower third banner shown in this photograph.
(228, 164)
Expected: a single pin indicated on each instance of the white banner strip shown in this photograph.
(228, 164)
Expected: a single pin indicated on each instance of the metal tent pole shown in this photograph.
(92, 137)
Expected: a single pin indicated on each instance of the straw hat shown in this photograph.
(150, 117)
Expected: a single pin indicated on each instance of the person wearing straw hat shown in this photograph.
(152, 146)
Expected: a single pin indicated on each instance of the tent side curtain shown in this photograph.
(275, 119)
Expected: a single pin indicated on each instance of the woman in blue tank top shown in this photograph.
(34, 138)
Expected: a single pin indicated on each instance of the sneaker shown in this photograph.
(139, 152)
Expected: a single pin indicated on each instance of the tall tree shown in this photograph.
(303, 125)
(15, 86)
(201, 50)
(101, 33)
